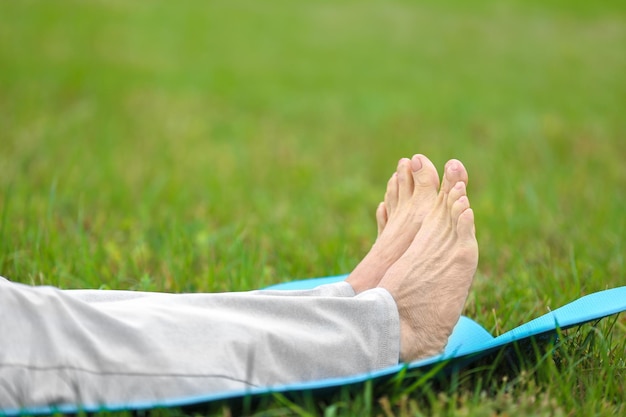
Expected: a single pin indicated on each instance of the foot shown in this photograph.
(411, 194)
(431, 280)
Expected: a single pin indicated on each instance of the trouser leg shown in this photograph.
(58, 348)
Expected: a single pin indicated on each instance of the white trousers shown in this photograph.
(92, 347)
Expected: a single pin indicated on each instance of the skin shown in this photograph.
(426, 253)
(410, 196)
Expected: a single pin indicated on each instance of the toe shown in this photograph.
(424, 172)
(465, 225)
(453, 173)
(458, 191)
(381, 217)
(458, 207)
(391, 195)
(405, 180)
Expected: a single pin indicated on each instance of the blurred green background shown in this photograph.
(228, 145)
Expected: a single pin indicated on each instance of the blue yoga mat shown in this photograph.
(469, 341)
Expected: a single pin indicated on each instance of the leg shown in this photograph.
(59, 349)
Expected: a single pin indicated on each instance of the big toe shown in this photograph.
(454, 172)
(424, 172)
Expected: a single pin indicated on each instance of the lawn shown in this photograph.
(229, 145)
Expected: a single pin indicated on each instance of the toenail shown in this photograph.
(416, 164)
(453, 167)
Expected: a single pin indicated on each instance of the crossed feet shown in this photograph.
(425, 254)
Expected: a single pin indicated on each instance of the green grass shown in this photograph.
(228, 145)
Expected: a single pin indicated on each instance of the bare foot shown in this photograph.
(430, 282)
(411, 194)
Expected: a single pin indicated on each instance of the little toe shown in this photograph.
(381, 217)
